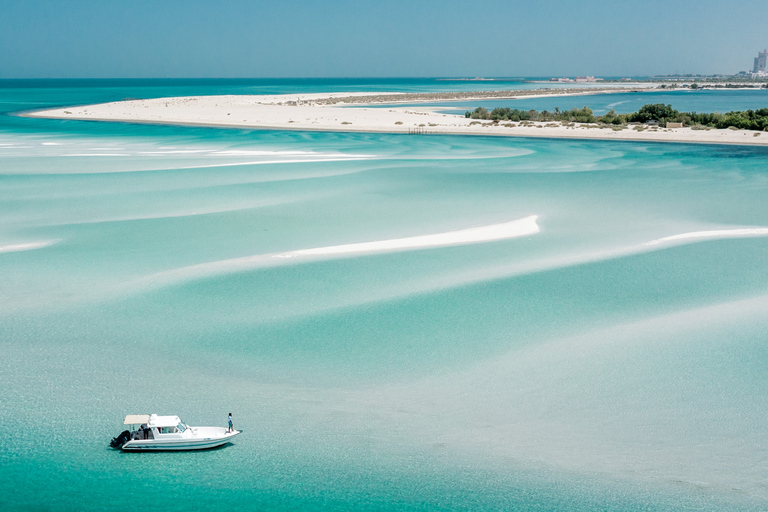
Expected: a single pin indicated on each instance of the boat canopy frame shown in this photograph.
(136, 419)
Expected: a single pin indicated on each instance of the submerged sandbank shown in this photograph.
(513, 229)
(714, 234)
(27, 246)
(481, 234)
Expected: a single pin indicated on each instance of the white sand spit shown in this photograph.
(715, 233)
(490, 233)
(26, 246)
(513, 229)
(336, 112)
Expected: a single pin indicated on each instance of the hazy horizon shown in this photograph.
(239, 39)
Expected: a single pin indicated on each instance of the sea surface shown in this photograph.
(616, 359)
(686, 100)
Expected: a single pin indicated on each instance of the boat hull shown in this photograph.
(178, 445)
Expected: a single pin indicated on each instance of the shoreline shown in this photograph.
(553, 136)
(345, 112)
(363, 99)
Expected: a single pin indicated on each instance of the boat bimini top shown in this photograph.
(136, 419)
(152, 420)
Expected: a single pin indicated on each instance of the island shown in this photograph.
(392, 112)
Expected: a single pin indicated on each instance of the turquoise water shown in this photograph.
(578, 368)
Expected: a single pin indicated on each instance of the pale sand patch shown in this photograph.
(714, 234)
(272, 162)
(481, 234)
(28, 246)
(318, 112)
(98, 154)
(513, 229)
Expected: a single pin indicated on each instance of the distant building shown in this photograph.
(579, 79)
(760, 62)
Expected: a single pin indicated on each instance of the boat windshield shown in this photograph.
(181, 427)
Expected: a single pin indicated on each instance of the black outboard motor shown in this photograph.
(119, 441)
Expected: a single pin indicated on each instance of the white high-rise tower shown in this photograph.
(760, 62)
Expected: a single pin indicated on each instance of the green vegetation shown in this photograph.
(744, 120)
(577, 115)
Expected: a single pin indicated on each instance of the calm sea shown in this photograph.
(710, 100)
(615, 360)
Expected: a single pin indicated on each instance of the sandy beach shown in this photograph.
(350, 112)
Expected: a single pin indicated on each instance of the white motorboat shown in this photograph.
(168, 433)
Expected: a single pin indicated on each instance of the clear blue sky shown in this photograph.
(361, 38)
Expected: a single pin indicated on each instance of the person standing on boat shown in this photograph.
(231, 427)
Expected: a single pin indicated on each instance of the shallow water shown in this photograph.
(596, 363)
(725, 100)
